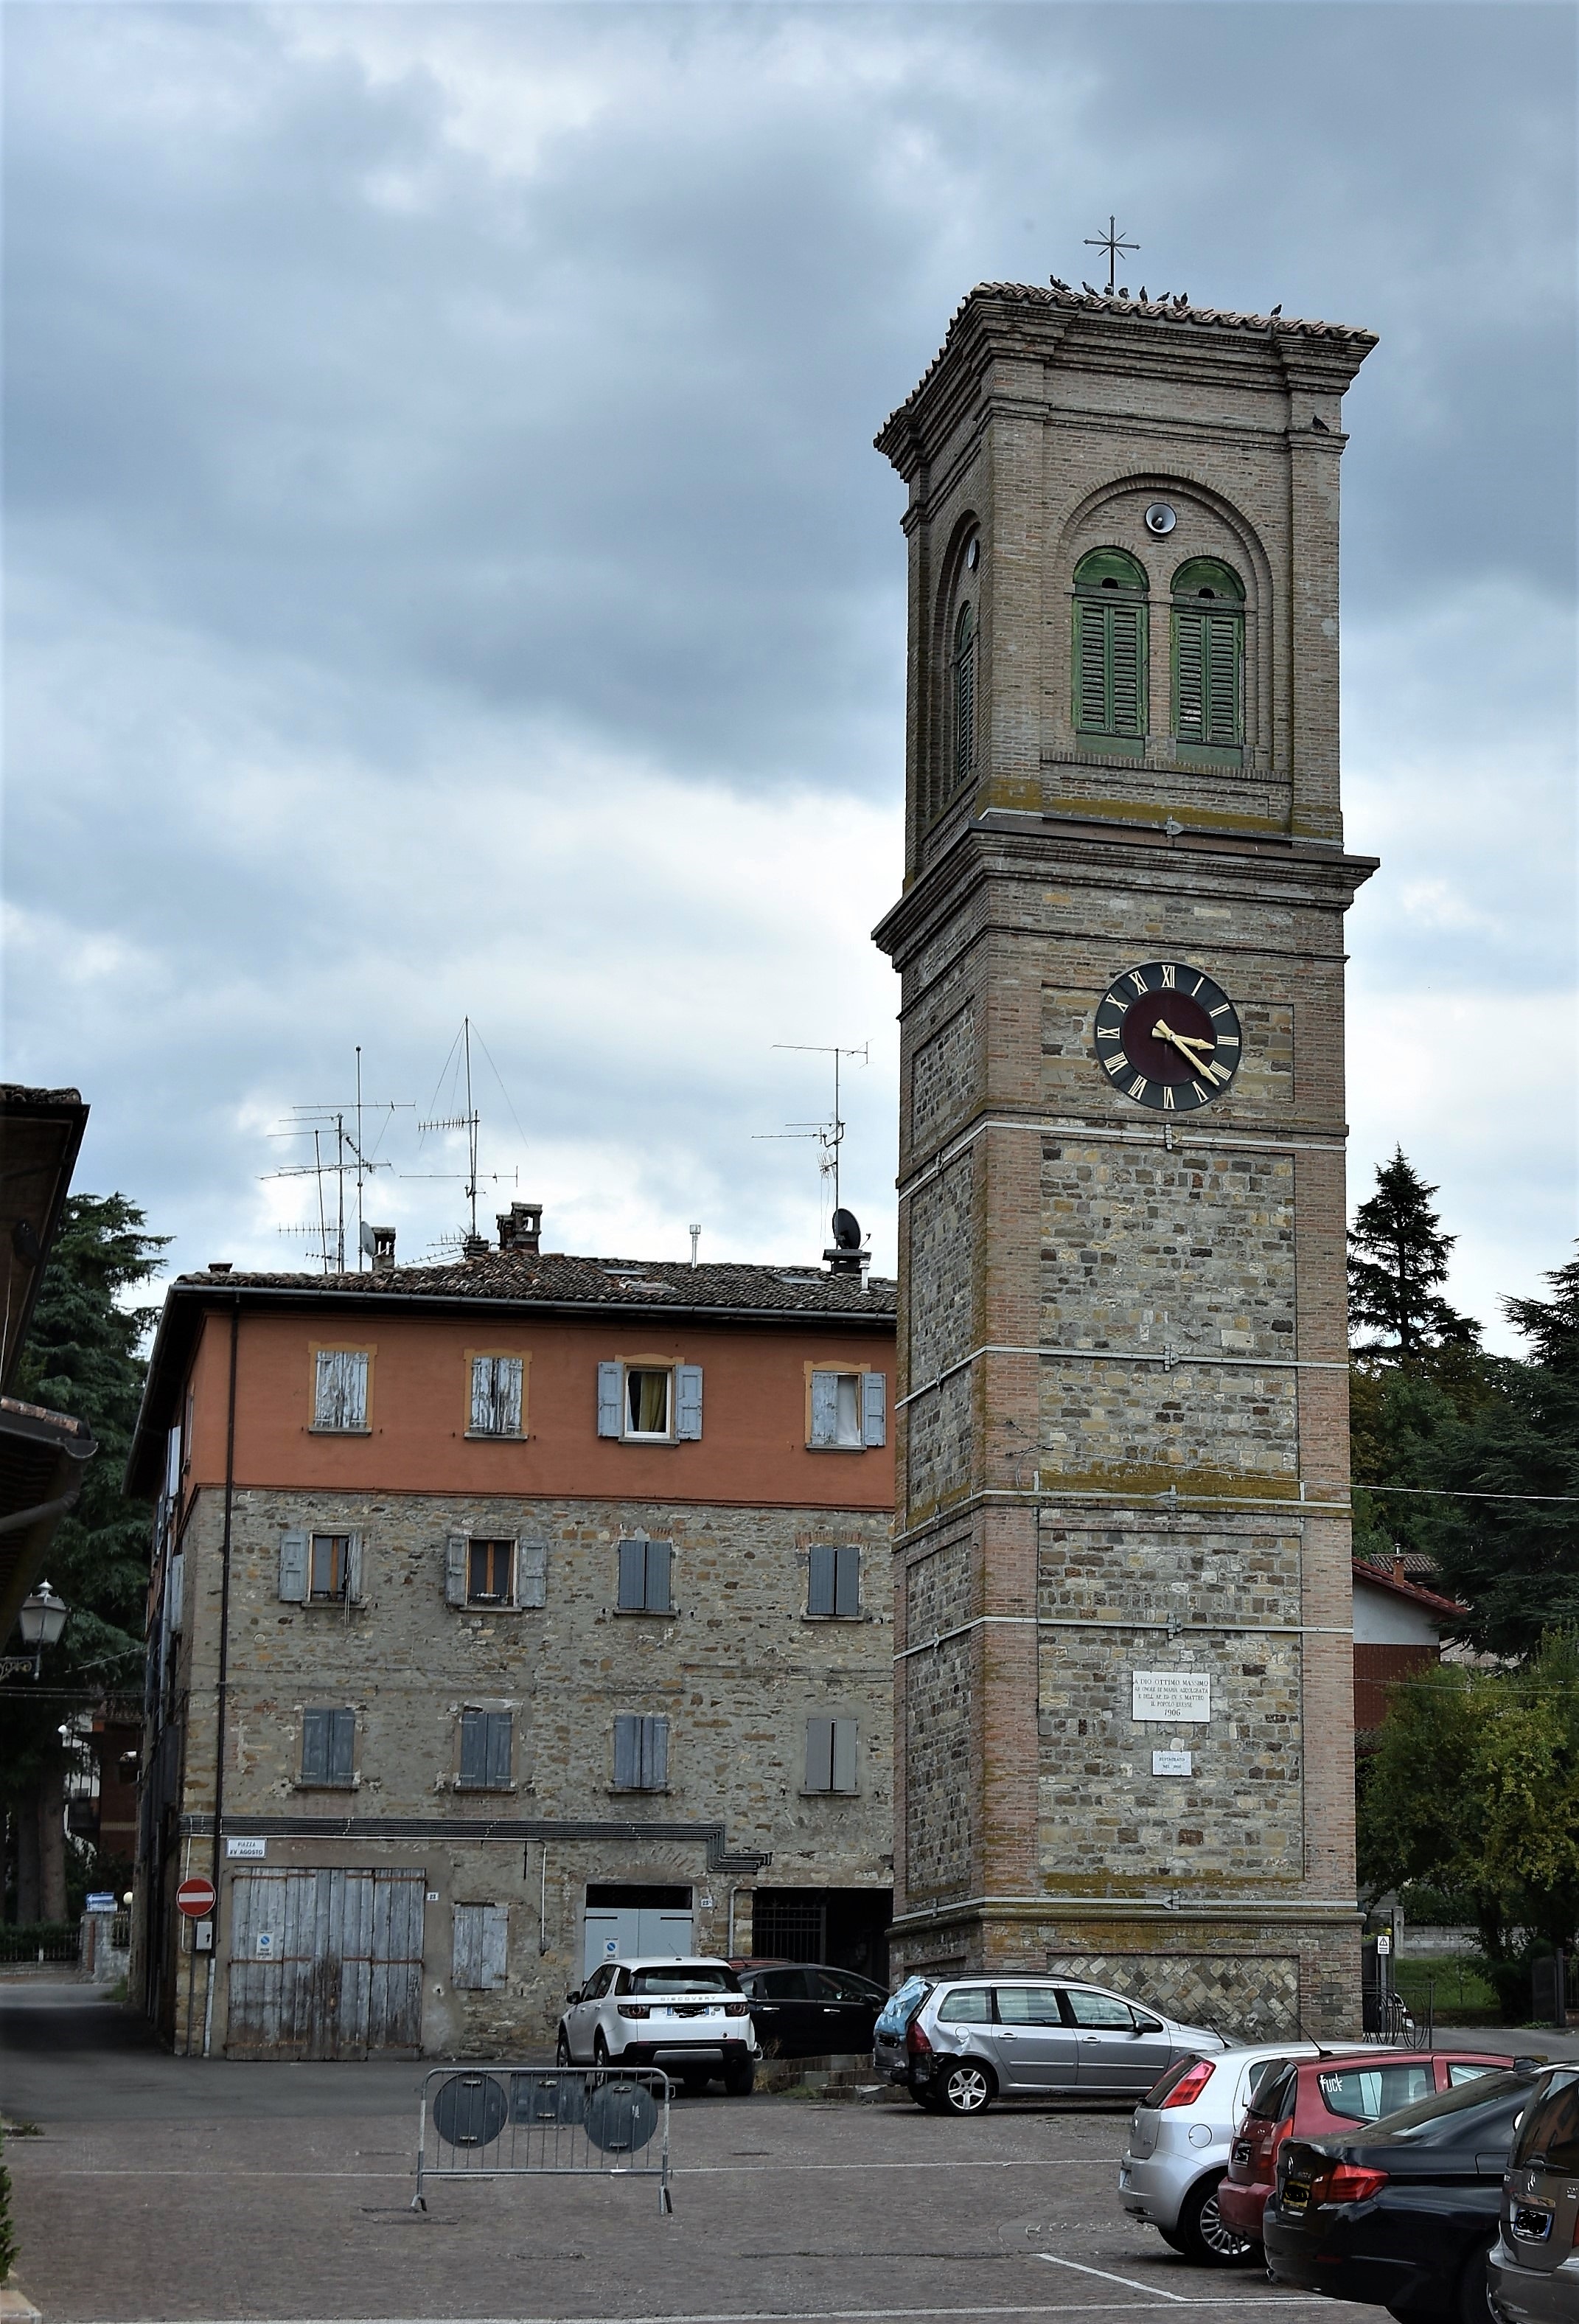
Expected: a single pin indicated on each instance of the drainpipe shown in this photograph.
(222, 1680)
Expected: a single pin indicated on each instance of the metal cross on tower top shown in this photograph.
(1111, 242)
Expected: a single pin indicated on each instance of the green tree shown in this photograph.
(1474, 1788)
(1398, 1256)
(1515, 1560)
(83, 1356)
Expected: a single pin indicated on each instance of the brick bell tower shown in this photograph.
(1124, 1690)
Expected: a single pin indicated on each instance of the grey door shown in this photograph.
(1031, 2045)
(325, 1964)
(1120, 2049)
(635, 1932)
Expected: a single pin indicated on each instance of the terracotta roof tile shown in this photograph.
(555, 1278)
(1168, 309)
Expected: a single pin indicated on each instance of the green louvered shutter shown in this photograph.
(1224, 636)
(1091, 658)
(1189, 673)
(1126, 627)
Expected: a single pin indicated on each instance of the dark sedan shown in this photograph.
(1402, 2214)
(803, 2009)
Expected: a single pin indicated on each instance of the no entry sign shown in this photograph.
(195, 1898)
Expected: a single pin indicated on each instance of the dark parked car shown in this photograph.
(804, 2009)
(1535, 2263)
(1401, 2214)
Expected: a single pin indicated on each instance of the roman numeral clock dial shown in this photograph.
(1167, 1037)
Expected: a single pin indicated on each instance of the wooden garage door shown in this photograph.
(325, 1964)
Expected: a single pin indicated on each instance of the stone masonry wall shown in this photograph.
(737, 1669)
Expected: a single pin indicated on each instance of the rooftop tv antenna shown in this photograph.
(471, 1121)
(350, 1157)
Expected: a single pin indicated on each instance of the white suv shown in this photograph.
(689, 2017)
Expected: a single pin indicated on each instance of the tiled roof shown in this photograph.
(1167, 309)
(1385, 1577)
(553, 1278)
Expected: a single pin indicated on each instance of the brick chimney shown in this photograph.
(520, 1228)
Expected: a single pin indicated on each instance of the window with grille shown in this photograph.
(486, 1738)
(833, 1579)
(1208, 654)
(1110, 647)
(645, 1576)
(962, 758)
(340, 1389)
(496, 1396)
(329, 1746)
(641, 1753)
(489, 1571)
(830, 1754)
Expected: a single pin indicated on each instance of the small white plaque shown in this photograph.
(247, 1848)
(203, 1936)
(1173, 1762)
(1385, 1945)
(264, 1943)
(432, 1895)
(705, 1903)
(1179, 1698)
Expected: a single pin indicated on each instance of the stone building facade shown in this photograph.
(1124, 1713)
(493, 1679)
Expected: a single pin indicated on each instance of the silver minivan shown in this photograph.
(957, 2044)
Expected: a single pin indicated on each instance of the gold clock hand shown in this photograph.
(1187, 1044)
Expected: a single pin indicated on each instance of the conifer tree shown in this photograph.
(1398, 1256)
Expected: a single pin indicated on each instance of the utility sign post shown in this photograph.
(195, 1898)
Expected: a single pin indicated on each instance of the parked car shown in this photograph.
(1178, 2145)
(1401, 2214)
(689, 2017)
(1533, 2273)
(807, 2009)
(962, 2042)
(1323, 2095)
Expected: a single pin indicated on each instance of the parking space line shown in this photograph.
(1131, 2283)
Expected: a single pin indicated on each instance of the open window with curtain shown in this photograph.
(1208, 657)
(1110, 649)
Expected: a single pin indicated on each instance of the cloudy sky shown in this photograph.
(447, 571)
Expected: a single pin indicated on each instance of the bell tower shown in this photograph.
(1124, 1691)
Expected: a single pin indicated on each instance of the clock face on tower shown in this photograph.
(1167, 1037)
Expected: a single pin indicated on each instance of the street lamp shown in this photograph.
(42, 1620)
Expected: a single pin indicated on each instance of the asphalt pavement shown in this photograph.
(167, 2191)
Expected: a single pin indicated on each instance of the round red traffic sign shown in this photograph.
(195, 1898)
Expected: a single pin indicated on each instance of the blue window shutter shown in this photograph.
(531, 1573)
(495, 1919)
(454, 1568)
(343, 1746)
(874, 1409)
(500, 1725)
(608, 1388)
(293, 1567)
(314, 1747)
(820, 1586)
(474, 1747)
(627, 1754)
(825, 1407)
(654, 1754)
(819, 1754)
(846, 1581)
(688, 1401)
(659, 1557)
(842, 1771)
(466, 1959)
(633, 1576)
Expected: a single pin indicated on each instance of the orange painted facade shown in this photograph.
(752, 1453)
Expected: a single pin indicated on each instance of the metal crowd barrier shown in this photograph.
(503, 2122)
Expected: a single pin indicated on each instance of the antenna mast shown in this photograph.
(829, 1134)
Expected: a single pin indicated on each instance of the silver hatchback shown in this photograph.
(1180, 2143)
(959, 2044)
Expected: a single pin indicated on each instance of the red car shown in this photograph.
(1314, 2097)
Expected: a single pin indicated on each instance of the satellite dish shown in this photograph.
(369, 1243)
(847, 1231)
